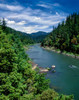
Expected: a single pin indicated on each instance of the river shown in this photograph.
(66, 78)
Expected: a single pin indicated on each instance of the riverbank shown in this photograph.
(27, 47)
(64, 53)
(65, 77)
(36, 67)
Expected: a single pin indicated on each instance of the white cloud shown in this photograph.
(11, 7)
(47, 19)
(21, 23)
(36, 20)
(10, 21)
(13, 22)
(43, 5)
(34, 28)
(48, 5)
(57, 13)
(29, 29)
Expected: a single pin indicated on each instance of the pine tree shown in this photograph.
(3, 24)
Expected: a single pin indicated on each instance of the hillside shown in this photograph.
(38, 36)
(39, 33)
(24, 37)
(17, 79)
(66, 36)
(28, 38)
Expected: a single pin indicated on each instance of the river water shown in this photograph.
(66, 78)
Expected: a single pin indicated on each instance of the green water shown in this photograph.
(66, 78)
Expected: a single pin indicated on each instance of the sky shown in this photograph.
(36, 15)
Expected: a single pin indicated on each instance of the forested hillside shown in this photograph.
(66, 36)
(17, 79)
(24, 37)
(38, 36)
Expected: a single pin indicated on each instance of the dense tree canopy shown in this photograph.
(38, 36)
(17, 79)
(65, 36)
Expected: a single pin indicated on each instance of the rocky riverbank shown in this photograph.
(35, 66)
(64, 53)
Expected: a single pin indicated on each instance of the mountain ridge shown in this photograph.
(38, 36)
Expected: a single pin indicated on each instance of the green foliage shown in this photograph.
(65, 97)
(27, 97)
(38, 36)
(50, 94)
(17, 79)
(41, 83)
(66, 36)
(24, 37)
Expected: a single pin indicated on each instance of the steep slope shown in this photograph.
(65, 36)
(24, 37)
(17, 79)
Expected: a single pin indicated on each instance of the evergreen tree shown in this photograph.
(66, 36)
(3, 24)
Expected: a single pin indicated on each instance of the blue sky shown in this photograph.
(36, 15)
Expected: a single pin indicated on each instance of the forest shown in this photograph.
(17, 79)
(65, 36)
(38, 37)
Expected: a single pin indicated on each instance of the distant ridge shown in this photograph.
(38, 36)
(39, 33)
